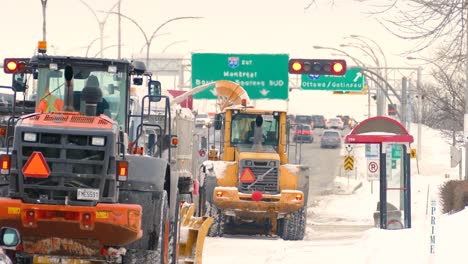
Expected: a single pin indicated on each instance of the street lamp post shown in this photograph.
(155, 36)
(362, 39)
(465, 120)
(44, 28)
(148, 40)
(447, 77)
(119, 31)
(371, 54)
(101, 23)
(172, 44)
(90, 44)
(358, 62)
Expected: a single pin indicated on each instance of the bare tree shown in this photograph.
(443, 105)
(428, 22)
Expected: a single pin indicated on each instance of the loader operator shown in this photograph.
(49, 103)
(102, 106)
(255, 134)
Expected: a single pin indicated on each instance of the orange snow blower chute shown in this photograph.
(230, 93)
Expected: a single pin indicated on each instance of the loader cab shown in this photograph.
(243, 127)
(104, 82)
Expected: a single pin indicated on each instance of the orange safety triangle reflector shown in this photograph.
(247, 176)
(36, 166)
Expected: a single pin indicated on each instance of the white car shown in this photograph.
(202, 119)
(334, 123)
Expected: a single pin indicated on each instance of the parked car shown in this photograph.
(202, 119)
(330, 139)
(335, 123)
(303, 133)
(319, 121)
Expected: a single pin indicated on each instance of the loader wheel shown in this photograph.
(137, 256)
(293, 227)
(158, 252)
(23, 259)
(217, 227)
(175, 234)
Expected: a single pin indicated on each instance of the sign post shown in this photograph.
(263, 76)
(373, 171)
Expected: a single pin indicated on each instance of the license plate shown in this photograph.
(88, 194)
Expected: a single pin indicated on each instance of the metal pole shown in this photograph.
(465, 121)
(368, 102)
(44, 6)
(101, 34)
(119, 53)
(409, 117)
(418, 156)
(379, 95)
(404, 83)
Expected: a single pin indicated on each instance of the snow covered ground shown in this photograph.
(373, 246)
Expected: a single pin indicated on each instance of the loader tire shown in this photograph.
(23, 259)
(154, 248)
(217, 227)
(293, 227)
(175, 233)
(137, 256)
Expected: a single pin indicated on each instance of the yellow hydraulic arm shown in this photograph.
(193, 231)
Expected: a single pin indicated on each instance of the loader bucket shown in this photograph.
(193, 231)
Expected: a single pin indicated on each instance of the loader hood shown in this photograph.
(68, 120)
(256, 156)
(256, 148)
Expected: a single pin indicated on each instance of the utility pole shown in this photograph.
(465, 121)
(404, 83)
(409, 117)
(418, 156)
(368, 101)
(44, 6)
(119, 32)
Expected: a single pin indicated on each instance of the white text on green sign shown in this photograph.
(352, 80)
(263, 76)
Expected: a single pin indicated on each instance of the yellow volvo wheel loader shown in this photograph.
(249, 187)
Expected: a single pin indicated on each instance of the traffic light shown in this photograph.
(392, 109)
(317, 66)
(13, 66)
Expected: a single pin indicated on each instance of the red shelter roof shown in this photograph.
(377, 130)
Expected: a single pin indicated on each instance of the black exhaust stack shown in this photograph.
(68, 88)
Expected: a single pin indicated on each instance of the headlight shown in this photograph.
(272, 164)
(248, 163)
(98, 141)
(30, 137)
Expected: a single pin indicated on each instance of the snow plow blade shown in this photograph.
(193, 231)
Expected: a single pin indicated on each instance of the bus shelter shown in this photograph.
(393, 140)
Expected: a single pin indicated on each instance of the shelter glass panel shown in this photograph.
(396, 188)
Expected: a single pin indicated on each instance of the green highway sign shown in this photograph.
(352, 80)
(263, 76)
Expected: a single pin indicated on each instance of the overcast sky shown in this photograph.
(242, 26)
